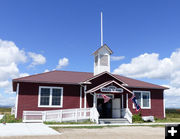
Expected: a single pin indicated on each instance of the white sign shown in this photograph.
(112, 89)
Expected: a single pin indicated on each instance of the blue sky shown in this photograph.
(69, 31)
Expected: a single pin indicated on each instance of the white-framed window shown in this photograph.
(50, 96)
(143, 99)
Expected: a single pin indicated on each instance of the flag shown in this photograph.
(135, 103)
(106, 98)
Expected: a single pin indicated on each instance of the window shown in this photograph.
(104, 60)
(143, 99)
(50, 96)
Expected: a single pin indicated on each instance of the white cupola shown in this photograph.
(102, 59)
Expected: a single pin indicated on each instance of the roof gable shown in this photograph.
(103, 47)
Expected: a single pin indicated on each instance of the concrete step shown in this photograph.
(113, 121)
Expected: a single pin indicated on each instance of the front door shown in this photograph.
(104, 109)
(116, 113)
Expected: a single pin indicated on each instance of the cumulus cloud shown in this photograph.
(37, 59)
(152, 67)
(62, 63)
(117, 58)
(10, 57)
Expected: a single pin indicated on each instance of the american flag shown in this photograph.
(106, 98)
(135, 103)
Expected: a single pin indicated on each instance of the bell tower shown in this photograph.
(102, 59)
(102, 55)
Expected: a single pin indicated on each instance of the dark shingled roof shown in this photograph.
(70, 77)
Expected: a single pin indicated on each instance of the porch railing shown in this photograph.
(61, 115)
(127, 114)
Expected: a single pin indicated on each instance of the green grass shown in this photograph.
(5, 110)
(62, 123)
(8, 118)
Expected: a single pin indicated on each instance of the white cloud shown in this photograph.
(10, 57)
(152, 67)
(46, 70)
(117, 58)
(62, 63)
(4, 83)
(23, 74)
(37, 59)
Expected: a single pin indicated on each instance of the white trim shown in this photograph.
(127, 100)
(122, 102)
(102, 74)
(50, 101)
(80, 105)
(140, 91)
(164, 105)
(85, 101)
(17, 95)
(94, 100)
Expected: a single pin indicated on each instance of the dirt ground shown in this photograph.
(104, 133)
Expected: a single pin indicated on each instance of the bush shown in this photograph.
(137, 118)
(7, 118)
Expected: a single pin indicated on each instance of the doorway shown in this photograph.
(104, 109)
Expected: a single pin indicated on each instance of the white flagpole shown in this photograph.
(101, 29)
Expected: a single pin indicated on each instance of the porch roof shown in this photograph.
(105, 84)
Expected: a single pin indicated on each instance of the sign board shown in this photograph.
(112, 89)
(109, 95)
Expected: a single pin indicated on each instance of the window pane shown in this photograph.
(138, 97)
(56, 97)
(103, 60)
(44, 98)
(145, 99)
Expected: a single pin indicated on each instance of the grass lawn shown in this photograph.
(5, 110)
(62, 123)
(172, 115)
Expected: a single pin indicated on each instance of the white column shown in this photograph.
(85, 101)
(94, 100)
(80, 105)
(127, 100)
(122, 104)
(17, 95)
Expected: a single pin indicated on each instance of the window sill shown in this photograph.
(49, 106)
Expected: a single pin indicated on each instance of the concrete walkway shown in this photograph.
(26, 129)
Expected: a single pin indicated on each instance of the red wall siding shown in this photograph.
(28, 97)
(157, 108)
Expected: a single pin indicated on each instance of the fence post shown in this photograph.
(44, 116)
(76, 115)
(60, 114)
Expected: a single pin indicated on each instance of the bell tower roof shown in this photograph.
(103, 47)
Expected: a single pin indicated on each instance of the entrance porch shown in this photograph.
(117, 106)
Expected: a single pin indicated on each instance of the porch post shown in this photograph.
(85, 97)
(94, 100)
(85, 101)
(127, 100)
(122, 103)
